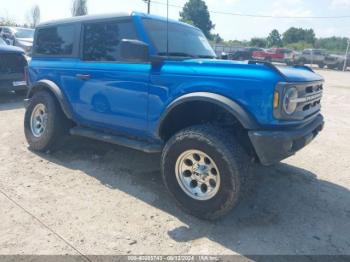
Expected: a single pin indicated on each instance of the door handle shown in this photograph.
(83, 77)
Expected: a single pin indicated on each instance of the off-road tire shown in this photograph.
(57, 123)
(229, 156)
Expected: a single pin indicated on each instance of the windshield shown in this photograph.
(24, 33)
(183, 40)
(2, 42)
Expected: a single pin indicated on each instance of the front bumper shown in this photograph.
(274, 146)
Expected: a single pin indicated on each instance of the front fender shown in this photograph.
(247, 120)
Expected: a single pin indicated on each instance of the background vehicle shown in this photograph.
(280, 55)
(17, 36)
(154, 86)
(244, 53)
(312, 56)
(12, 65)
(336, 61)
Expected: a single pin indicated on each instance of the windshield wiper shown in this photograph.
(177, 54)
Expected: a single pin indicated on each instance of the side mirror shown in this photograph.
(134, 50)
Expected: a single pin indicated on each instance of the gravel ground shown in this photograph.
(94, 198)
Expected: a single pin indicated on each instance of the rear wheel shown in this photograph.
(204, 168)
(44, 122)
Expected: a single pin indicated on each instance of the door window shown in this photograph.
(54, 41)
(102, 40)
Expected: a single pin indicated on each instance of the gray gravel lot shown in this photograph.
(94, 198)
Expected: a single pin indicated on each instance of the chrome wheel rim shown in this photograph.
(197, 175)
(38, 120)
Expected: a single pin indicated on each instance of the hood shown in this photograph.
(10, 49)
(289, 73)
(299, 74)
(25, 41)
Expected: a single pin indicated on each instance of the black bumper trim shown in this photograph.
(274, 146)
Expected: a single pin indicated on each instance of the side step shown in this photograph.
(144, 146)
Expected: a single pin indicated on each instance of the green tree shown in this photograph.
(79, 8)
(216, 38)
(274, 39)
(197, 12)
(336, 44)
(295, 35)
(299, 45)
(258, 42)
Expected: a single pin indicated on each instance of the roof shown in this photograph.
(85, 18)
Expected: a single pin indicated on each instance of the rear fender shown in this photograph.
(53, 88)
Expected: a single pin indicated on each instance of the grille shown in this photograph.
(12, 63)
(309, 99)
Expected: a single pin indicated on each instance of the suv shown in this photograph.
(138, 81)
(241, 54)
(12, 65)
(18, 36)
(337, 61)
(312, 56)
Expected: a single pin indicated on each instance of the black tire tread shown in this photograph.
(230, 149)
(57, 130)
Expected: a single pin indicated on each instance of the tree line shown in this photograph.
(295, 38)
(196, 12)
(78, 8)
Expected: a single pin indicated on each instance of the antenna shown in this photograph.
(167, 28)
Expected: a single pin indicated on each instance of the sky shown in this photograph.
(229, 27)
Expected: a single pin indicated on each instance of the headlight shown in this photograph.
(289, 101)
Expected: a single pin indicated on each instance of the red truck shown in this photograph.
(280, 55)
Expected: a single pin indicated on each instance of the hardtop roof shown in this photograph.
(87, 18)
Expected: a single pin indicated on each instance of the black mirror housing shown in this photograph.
(134, 50)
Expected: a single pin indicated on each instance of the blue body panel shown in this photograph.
(130, 98)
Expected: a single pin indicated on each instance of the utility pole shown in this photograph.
(148, 2)
(346, 56)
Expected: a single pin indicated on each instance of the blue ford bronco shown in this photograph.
(155, 85)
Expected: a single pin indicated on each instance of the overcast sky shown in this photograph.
(229, 27)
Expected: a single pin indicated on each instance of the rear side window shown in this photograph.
(55, 41)
(101, 40)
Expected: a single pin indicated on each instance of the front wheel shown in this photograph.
(204, 168)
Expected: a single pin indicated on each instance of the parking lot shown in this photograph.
(94, 198)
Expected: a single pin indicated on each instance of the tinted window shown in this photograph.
(102, 40)
(183, 40)
(55, 40)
